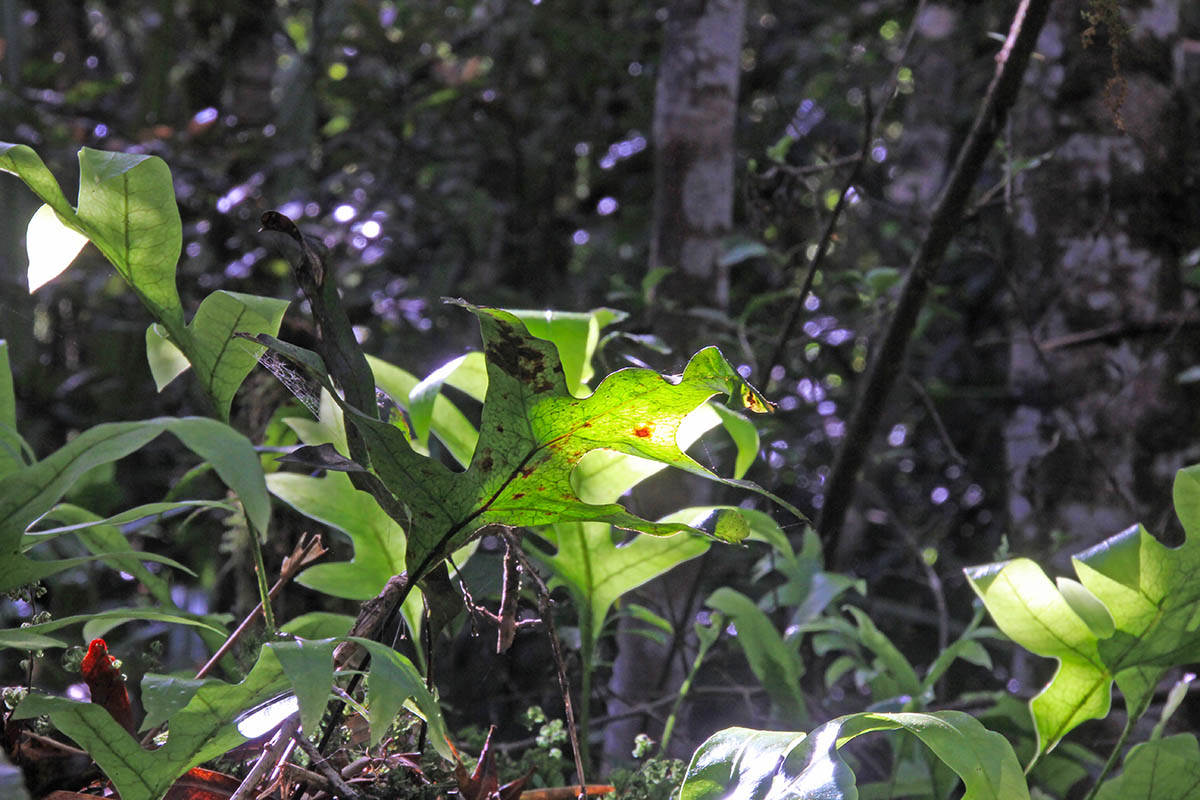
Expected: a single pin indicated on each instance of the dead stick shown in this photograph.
(53, 743)
(304, 553)
(319, 761)
(269, 758)
(543, 596)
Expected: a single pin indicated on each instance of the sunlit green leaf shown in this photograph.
(597, 572)
(393, 681)
(533, 434)
(1147, 590)
(379, 540)
(308, 664)
(52, 246)
(127, 209)
(770, 765)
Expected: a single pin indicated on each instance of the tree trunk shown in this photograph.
(1101, 423)
(695, 110)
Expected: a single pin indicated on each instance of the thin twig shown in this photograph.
(269, 758)
(935, 587)
(281, 768)
(814, 264)
(306, 776)
(927, 401)
(319, 761)
(1080, 437)
(543, 596)
(303, 554)
(647, 707)
(46, 741)
(1106, 334)
(871, 124)
(1111, 762)
(810, 169)
(893, 81)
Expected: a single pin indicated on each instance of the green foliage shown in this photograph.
(202, 729)
(1128, 619)
(127, 210)
(32, 490)
(776, 765)
(776, 664)
(552, 455)
(1163, 768)
(203, 715)
(33, 636)
(655, 779)
(597, 572)
(536, 428)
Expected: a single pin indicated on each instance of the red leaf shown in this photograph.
(106, 683)
(203, 784)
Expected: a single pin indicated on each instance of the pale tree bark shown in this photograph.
(695, 112)
(695, 108)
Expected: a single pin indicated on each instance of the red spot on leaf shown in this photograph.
(643, 431)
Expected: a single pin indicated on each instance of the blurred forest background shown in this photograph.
(528, 155)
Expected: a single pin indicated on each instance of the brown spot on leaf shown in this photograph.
(518, 495)
(486, 463)
(753, 401)
(515, 356)
(644, 431)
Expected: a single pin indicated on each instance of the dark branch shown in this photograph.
(889, 357)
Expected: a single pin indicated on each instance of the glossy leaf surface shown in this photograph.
(773, 765)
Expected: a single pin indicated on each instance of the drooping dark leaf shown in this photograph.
(322, 456)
